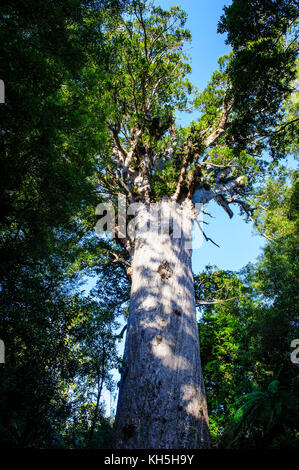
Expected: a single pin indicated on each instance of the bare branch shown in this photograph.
(130, 153)
(121, 183)
(206, 238)
(209, 215)
(119, 259)
(215, 302)
(116, 140)
(221, 201)
(224, 202)
(245, 206)
(203, 195)
(121, 334)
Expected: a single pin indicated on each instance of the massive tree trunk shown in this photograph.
(162, 402)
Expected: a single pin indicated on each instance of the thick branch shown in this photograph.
(130, 153)
(121, 183)
(211, 139)
(117, 143)
(181, 178)
(203, 195)
(221, 201)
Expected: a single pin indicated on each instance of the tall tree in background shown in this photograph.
(162, 400)
(51, 136)
(49, 147)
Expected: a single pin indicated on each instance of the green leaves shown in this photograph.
(265, 410)
(262, 67)
(245, 20)
(52, 135)
(164, 181)
(146, 78)
(251, 384)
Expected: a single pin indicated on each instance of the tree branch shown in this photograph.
(119, 259)
(130, 153)
(116, 140)
(121, 183)
(121, 334)
(206, 238)
(215, 302)
(211, 139)
(203, 195)
(175, 196)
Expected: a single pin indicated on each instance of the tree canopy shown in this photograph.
(92, 89)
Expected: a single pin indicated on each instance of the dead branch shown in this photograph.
(121, 334)
(215, 302)
(208, 239)
(209, 215)
(221, 201)
(119, 259)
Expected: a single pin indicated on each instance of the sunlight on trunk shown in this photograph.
(162, 399)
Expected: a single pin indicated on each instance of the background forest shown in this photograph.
(61, 343)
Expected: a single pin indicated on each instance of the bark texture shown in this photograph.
(162, 402)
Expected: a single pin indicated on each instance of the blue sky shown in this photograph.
(206, 46)
(238, 244)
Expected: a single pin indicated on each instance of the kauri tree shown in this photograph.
(150, 160)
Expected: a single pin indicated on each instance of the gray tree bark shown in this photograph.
(162, 403)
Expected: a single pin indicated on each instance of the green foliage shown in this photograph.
(220, 329)
(276, 212)
(59, 343)
(264, 415)
(164, 181)
(252, 386)
(262, 68)
(48, 146)
(147, 82)
(209, 101)
(74, 70)
(247, 20)
(147, 63)
(143, 86)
